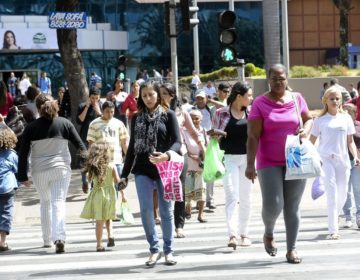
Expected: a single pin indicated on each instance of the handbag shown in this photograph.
(126, 217)
(302, 159)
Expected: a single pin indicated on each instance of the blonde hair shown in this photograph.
(328, 92)
(97, 161)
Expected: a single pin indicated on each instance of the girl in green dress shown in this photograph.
(101, 202)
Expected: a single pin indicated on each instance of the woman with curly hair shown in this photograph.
(48, 138)
(101, 202)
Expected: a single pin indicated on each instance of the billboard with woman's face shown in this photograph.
(32, 39)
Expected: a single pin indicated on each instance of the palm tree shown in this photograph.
(271, 26)
(344, 7)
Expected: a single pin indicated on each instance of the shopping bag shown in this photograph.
(317, 188)
(302, 159)
(169, 172)
(126, 217)
(214, 168)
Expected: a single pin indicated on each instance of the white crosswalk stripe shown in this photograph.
(203, 254)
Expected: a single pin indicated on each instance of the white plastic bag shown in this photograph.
(302, 159)
(317, 188)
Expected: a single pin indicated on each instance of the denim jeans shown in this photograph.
(144, 187)
(354, 184)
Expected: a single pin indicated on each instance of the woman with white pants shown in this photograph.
(233, 120)
(335, 130)
(48, 138)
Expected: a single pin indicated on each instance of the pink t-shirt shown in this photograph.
(279, 120)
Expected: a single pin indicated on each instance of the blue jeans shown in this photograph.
(354, 184)
(7, 201)
(145, 187)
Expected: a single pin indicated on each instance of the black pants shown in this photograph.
(179, 207)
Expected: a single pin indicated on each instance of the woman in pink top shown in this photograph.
(129, 107)
(6, 100)
(273, 116)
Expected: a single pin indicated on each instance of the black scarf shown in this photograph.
(146, 128)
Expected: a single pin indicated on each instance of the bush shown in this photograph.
(324, 68)
(250, 70)
(304, 72)
(259, 71)
(338, 70)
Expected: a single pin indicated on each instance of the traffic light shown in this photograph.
(228, 36)
(121, 66)
(189, 15)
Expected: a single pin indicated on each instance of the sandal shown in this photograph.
(201, 220)
(269, 245)
(111, 242)
(169, 260)
(333, 236)
(245, 241)
(100, 249)
(153, 259)
(179, 233)
(4, 248)
(292, 257)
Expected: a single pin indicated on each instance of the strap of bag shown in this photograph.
(296, 102)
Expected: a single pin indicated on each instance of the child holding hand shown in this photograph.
(100, 204)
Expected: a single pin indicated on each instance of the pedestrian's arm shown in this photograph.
(308, 123)
(130, 156)
(216, 103)
(82, 115)
(75, 138)
(254, 132)
(313, 139)
(23, 157)
(352, 149)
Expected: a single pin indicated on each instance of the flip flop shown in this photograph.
(292, 257)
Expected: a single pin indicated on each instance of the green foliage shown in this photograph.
(250, 69)
(324, 68)
(338, 70)
(259, 71)
(301, 71)
(225, 72)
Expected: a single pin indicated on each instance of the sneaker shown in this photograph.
(348, 224)
(59, 246)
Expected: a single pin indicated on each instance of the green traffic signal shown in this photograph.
(121, 76)
(228, 54)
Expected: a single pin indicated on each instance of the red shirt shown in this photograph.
(4, 110)
(131, 104)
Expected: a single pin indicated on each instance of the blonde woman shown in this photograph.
(335, 130)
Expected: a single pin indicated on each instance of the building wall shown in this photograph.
(314, 29)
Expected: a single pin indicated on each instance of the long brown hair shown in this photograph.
(3, 94)
(151, 85)
(97, 161)
(47, 106)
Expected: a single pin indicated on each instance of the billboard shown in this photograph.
(45, 39)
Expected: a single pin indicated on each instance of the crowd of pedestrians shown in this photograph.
(135, 132)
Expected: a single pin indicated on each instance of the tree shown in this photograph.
(74, 71)
(271, 27)
(344, 7)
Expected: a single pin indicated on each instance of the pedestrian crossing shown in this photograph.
(203, 254)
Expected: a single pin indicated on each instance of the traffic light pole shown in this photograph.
(231, 5)
(173, 45)
(196, 43)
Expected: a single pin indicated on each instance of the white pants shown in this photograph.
(237, 191)
(52, 186)
(336, 178)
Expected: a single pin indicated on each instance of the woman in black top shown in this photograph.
(154, 131)
(48, 138)
(233, 120)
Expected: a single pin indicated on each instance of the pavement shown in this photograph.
(27, 209)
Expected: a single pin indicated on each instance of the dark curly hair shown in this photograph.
(98, 159)
(8, 138)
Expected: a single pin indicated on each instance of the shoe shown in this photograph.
(348, 224)
(333, 236)
(59, 246)
(4, 248)
(201, 220)
(212, 207)
(157, 221)
(100, 249)
(232, 242)
(47, 246)
(187, 216)
(269, 245)
(179, 233)
(358, 222)
(245, 241)
(169, 260)
(153, 259)
(292, 257)
(111, 242)
(85, 188)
